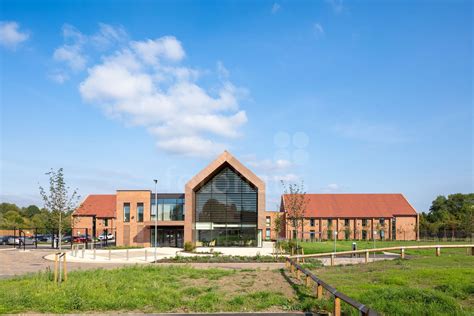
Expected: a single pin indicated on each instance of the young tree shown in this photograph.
(58, 201)
(278, 224)
(295, 204)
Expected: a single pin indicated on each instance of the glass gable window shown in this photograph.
(126, 212)
(226, 211)
(140, 209)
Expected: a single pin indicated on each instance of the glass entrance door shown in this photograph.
(167, 237)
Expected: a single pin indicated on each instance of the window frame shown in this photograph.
(125, 219)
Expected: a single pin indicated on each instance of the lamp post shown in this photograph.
(335, 238)
(156, 216)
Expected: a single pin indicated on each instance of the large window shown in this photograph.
(226, 211)
(140, 212)
(268, 221)
(169, 209)
(126, 212)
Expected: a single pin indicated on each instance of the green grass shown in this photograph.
(424, 285)
(144, 289)
(343, 245)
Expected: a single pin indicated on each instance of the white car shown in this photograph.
(21, 241)
(108, 237)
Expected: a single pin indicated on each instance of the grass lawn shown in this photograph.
(423, 285)
(342, 245)
(149, 289)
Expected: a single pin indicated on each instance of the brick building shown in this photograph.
(355, 216)
(224, 205)
(95, 215)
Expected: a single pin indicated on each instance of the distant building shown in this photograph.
(355, 216)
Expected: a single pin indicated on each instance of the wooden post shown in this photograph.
(308, 281)
(337, 306)
(366, 257)
(65, 267)
(292, 269)
(472, 251)
(332, 260)
(402, 253)
(55, 268)
(438, 251)
(319, 291)
(302, 252)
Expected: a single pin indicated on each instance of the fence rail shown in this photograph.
(397, 248)
(320, 285)
(293, 263)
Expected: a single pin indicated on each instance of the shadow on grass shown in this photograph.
(306, 301)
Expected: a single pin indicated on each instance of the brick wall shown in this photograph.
(133, 233)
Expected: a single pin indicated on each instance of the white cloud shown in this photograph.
(151, 51)
(71, 55)
(318, 30)
(72, 52)
(337, 5)
(10, 35)
(369, 132)
(108, 36)
(275, 8)
(144, 84)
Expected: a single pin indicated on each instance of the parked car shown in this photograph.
(82, 239)
(109, 236)
(20, 240)
(66, 239)
(4, 240)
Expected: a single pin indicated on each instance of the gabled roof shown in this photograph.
(99, 205)
(225, 158)
(356, 205)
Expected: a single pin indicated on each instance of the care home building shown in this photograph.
(353, 216)
(224, 205)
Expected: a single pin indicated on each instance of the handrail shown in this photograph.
(364, 310)
(292, 262)
(401, 248)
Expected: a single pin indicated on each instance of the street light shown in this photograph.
(335, 238)
(156, 216)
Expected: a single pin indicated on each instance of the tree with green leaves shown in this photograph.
(58, 201)
(450, 214)
(279, 224)
(295, 204)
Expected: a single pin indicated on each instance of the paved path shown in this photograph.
(15, 262)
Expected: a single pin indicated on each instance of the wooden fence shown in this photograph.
(293, 264)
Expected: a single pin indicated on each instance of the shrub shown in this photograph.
(189, 246)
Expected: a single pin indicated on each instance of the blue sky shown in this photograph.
(360, 96)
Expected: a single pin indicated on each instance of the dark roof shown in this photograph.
(356, 205)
